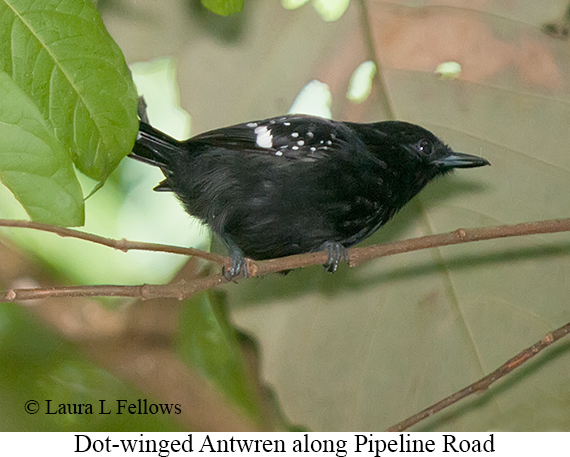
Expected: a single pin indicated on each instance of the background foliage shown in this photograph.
(359, 350)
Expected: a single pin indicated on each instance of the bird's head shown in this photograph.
(425, 149)
(413, 154)
(417, 149)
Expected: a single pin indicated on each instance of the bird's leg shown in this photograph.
(336, 252)
(238, 263)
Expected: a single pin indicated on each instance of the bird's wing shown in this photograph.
(293, 136)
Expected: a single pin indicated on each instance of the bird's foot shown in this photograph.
(238, 265)
(337, 252)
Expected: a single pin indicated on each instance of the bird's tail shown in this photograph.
(154, 147)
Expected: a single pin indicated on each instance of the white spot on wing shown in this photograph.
(251, 124)
(294, 134)
(264, 138)
(300, 142)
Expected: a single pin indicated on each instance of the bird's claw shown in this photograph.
(238, 265)
(337, 253)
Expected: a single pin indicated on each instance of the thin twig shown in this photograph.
(121, 245)
(360, 255)
(356, 255)
(485, 383)
(365, 254)
(179, 290)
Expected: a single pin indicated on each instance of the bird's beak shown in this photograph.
(460, 160)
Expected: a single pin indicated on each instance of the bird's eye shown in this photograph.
(424, 147)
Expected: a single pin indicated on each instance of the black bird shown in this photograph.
(296, 184)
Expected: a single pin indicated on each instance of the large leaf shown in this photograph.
(369, 346)
(60, 54)
(33, 164)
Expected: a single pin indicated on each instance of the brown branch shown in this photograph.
(186, 289)
(121, 245)
(179, 290)
(365, 254)
(485, 383)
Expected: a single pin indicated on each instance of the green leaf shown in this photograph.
(33, 164)
(224, 7)
(60, 54)
(209, 344)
